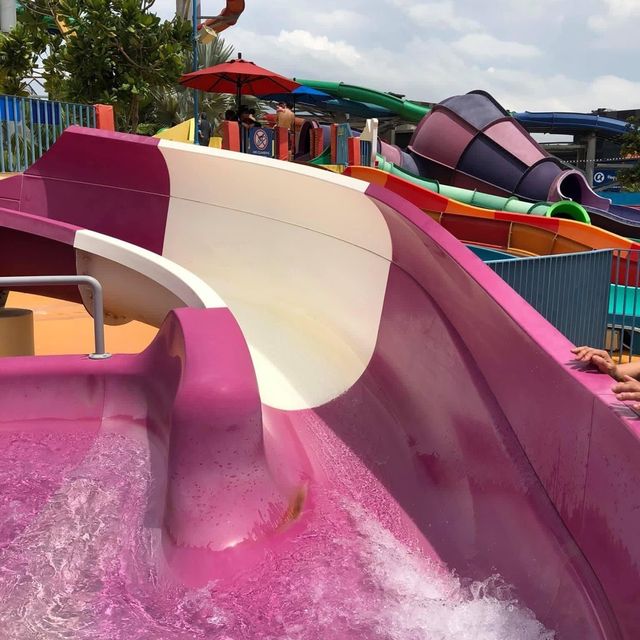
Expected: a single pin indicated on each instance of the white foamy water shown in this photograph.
(418, 601)
(80, 562)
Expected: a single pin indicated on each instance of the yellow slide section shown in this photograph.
(183, 132)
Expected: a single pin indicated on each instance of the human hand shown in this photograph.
(628, 389)
(599, 358)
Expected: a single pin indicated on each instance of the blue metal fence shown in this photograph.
(29, 126)
(569, 290)
(592, 297)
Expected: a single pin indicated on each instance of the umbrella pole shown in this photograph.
(293, 144)
(238, 90)
(194, 21)
(240, 127)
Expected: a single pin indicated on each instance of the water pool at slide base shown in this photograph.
(81, 558)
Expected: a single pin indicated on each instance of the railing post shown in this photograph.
(2, 143)
(98, 305)
(8, 120)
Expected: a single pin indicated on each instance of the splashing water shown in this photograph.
(79, 561)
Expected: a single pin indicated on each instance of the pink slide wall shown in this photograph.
(469, 436)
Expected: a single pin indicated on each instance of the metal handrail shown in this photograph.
(98, 304)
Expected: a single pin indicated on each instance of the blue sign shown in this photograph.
(604, 176)
(261, 142)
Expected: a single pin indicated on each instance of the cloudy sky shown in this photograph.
(536, 54)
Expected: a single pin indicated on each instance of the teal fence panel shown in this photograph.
(29, 126)
(624, 304)
(592, 297)
(570, 290)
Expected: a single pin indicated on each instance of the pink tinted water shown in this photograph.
(78, 560)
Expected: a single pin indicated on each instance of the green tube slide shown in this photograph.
(414, 112)
(562, 209)
(323, 158)
(410, 111)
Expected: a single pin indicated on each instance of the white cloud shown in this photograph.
(297, 53)
(522, 13)
(483, 45)
(520, 91)
(300, 41)
(432, 50)
(431, 69)
(613, 92)
(339, 18)
(618, 13)
(436, 14)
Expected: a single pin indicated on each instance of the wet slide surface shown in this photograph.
(328, 447)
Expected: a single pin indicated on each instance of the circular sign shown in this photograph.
(260, 139)
(598, 177)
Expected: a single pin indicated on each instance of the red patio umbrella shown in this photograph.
(240, 77)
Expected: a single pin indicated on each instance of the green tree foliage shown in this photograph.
(18, 57)
(174, 104)
(110, 51)
(629, 179)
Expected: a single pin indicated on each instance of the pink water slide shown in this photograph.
(347, 427)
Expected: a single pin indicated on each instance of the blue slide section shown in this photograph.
(570, 123)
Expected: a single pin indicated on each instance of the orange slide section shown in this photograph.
(227, 18)
(518, 233)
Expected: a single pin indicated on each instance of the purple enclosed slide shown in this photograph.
(326, 440)
(471, 141)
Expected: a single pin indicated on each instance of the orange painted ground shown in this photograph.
(62, 327)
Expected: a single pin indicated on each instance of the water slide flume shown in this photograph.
(493, 153)
(534, 121)
(411, 111)
(471, 141)
(383, 433)
(562, 209)
(525, 234)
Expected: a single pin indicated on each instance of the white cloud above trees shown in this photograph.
(547, 55)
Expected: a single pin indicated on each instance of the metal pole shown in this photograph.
(590, 163)
(194, 19)
(98, 306)
(7, 14)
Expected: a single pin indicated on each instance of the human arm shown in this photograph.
(603, 362)
(627, 387)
